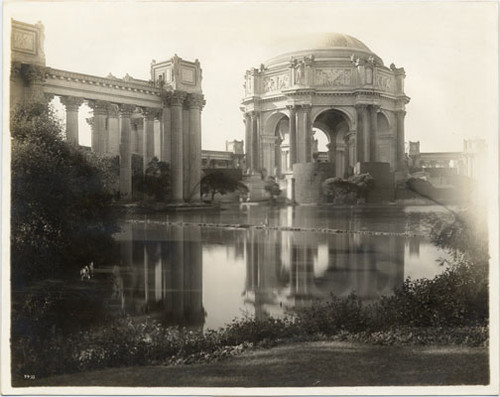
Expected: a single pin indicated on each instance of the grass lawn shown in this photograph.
(305, 365)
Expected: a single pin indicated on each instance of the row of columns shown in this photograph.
(179, 129)
(261, 151)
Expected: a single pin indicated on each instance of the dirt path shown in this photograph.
(305, 365)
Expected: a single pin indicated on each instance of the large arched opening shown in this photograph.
(334, 125)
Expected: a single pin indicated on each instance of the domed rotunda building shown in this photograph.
(337, 86)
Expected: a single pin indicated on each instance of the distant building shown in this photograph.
(439, 167)
(233, 157)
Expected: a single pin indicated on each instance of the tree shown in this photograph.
(157, 180)
(348, 190)
(222, 183)
(61, 196)
(272, 188)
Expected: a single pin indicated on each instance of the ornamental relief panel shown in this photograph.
(384, 82)
(332, 77)
(276, 83)
(24, 41)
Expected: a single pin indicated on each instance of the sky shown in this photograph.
(448, 49)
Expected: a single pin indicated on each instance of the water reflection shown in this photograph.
(161, 273)
(202, 276)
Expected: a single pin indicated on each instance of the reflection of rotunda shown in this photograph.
(338, 86)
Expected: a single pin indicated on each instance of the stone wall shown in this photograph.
(308, 179)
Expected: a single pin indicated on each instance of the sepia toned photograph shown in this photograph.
(250, 198)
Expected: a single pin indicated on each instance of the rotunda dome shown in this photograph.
(322, 46)
(333, 40)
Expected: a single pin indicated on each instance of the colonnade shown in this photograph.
(358, 144)
(126, 129)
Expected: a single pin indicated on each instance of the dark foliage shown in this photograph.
(347, 191)
(60, 200)
(222, 183)
(156, 182)
(272, 188)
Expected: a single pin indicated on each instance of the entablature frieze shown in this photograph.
(130, 84)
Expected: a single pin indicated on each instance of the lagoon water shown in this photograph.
(186, 268)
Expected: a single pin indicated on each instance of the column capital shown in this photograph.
(177, 98)
(292, 108)
(375, 108)
(150, 113)
(195, 101)
(99, 107)
(113, 110)
(401, 112)
(126, 110)
(252, 113)
(360, 106)
(305, 107)
(71, 103)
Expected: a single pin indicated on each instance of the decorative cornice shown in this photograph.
(71, 103)
(141, 86)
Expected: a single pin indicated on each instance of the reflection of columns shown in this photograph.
(148, 141)
(248, 142)
(400, 140)
(113, 145)
(194, 313)
(304, 134)
(72, 105)
(125, 154)
(177, 151)
(373, 132)
(195, 104)
(292, 135)
(99, 133)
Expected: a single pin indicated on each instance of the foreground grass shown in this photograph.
(304, 365)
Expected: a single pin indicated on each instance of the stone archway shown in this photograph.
(336, 125)
(274, 144)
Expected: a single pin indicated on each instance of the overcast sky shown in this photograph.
(449, 52)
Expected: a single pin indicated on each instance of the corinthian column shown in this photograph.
(254, 130)
(177, 151)
(400, 140)
(125, 154)
(195, 103)
(366, 134)
(374, 132)
(304, 134)
(99, 133)
(292, 134)
(248, 143)
(148, 142)
(113, 145)
(72, 104)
